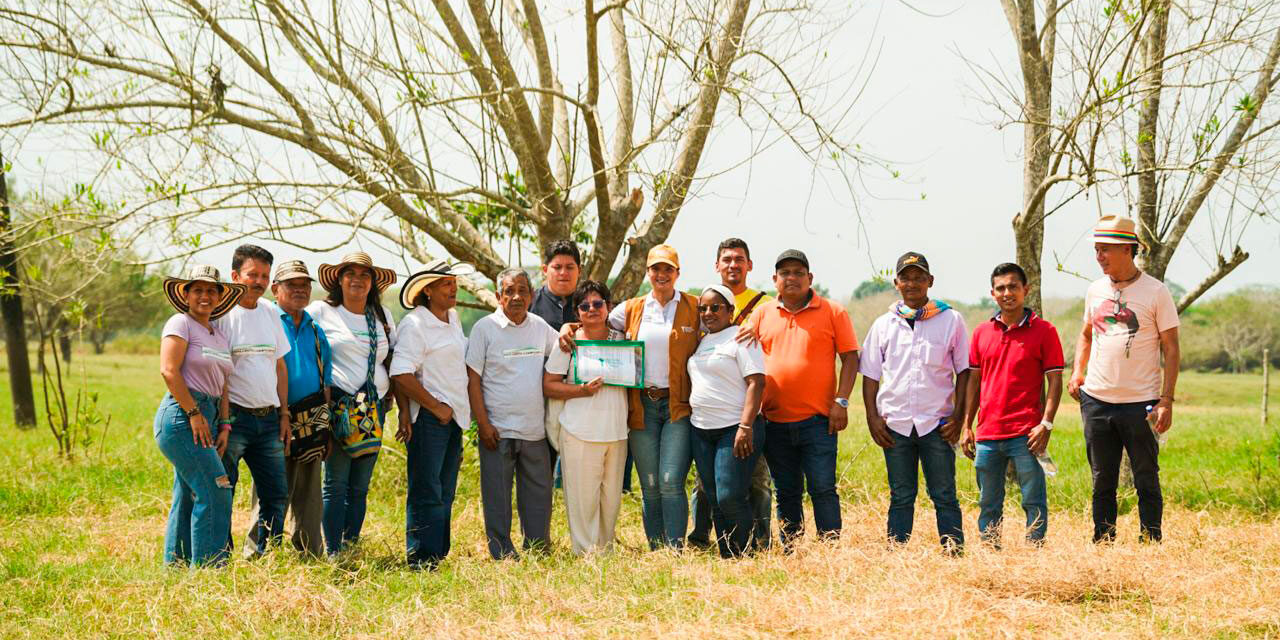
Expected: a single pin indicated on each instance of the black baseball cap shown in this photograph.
(791, 254)
(912, 259)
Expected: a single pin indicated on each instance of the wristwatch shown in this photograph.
(1048, 426)
(844, 402)
(195, 411)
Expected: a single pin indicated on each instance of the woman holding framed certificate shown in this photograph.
(593, 435)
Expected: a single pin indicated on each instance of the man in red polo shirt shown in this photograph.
(1016, 354)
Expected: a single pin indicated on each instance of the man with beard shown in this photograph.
(257, 390)
(1130, 320)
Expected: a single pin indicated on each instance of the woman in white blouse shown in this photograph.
(593, 446)
(726, 379)
(361, 335)
(429, 369)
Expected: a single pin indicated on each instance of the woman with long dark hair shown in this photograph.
(362, 335)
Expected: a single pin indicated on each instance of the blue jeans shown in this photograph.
(200, 515)
(345, 494)
(435, 455)
(661, 453)
(726, 481)
(760, 496)
(801, 453)
(938, 459)
(256, 440)
(989, 464)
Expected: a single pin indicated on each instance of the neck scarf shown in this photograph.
(933, 308)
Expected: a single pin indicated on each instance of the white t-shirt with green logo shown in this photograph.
(257, 341)
(348, 336)
(509, 359)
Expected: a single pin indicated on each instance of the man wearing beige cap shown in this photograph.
(1125, 395)
(310, 365)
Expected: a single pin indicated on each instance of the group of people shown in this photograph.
(750, 389)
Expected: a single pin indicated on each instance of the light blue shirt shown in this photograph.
(304, 370)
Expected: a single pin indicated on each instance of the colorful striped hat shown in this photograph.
(1116, 230)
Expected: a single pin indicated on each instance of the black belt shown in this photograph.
(260, 412)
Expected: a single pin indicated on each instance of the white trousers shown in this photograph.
(592, 473)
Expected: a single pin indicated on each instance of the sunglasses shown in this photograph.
(714, 307)
(588, 306)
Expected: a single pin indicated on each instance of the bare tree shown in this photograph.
(458, 126)
(1158, 105)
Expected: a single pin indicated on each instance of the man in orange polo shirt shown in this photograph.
(803, 334)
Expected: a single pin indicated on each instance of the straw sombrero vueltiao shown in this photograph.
(328, 273)
(175, 289)
(434, 270)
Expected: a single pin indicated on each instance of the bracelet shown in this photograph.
(744, 426)
(1170, 397)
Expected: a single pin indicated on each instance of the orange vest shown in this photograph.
(683, 342)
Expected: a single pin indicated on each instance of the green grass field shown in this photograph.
(80, 546)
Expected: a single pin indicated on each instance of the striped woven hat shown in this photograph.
(328, 273)
(175, 289)
(1116, 230)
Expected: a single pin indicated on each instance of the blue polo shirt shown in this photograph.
(304, 371)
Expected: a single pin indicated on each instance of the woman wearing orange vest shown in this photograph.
(666, 321)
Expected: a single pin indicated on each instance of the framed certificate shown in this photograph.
(619, 362)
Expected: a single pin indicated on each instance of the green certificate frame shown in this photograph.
(621, 362)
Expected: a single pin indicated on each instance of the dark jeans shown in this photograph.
(799, 453)
(345, 495)
(1109, 431)
(256, 440)
(935, 456)
(989, 465)
(434, 457)
(726, 480)
(760, 495)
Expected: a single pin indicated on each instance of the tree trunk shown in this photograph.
(15, 338)
(64, 345)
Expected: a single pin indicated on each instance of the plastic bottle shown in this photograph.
(1046, 463)
(1161, 438)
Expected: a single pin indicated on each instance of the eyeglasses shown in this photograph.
(714, 307)
(588, 306)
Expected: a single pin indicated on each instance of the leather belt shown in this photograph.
(657, 393)
(260, 412)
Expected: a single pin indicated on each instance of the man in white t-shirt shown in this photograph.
(1126, 397)
(258, 387)
(505, 356)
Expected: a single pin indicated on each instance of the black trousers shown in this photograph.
(1109, 431)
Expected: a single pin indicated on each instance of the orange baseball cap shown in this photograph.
(663, 253)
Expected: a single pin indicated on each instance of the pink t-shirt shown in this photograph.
(208, 360)
(1124, 361)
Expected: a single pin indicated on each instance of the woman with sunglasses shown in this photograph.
(666, 321)
(727, 385)
(593, 436)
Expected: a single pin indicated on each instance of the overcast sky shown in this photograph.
(918, 111)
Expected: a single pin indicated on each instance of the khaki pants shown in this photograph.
(305, 506)
(592, 490)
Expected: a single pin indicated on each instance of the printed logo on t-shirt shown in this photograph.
(522, 352)
(215, 354)
(1115, 318)
(242, 350)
